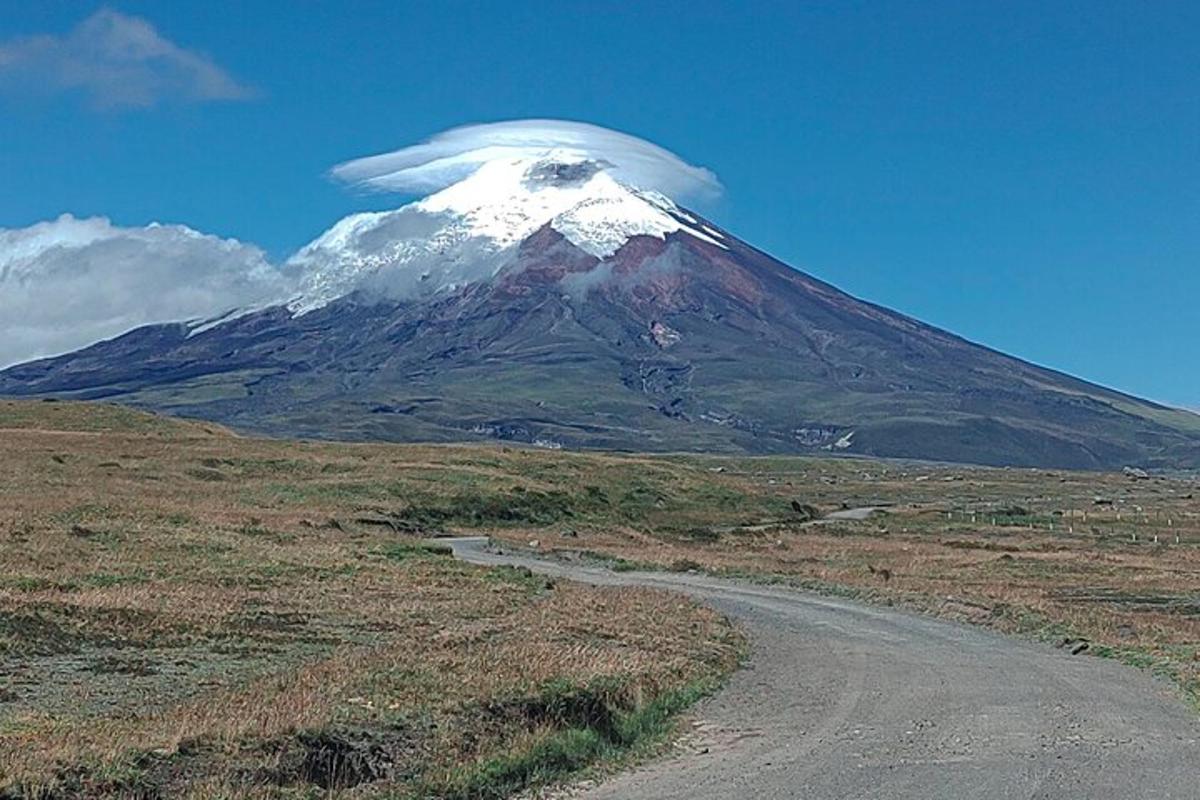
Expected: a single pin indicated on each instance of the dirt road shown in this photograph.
(841, 701)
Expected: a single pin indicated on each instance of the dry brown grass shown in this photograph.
(1106, 557)
(178, 605)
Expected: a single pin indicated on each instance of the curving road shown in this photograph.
(842, 701)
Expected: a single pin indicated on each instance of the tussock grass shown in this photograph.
(598, 724)
(178, 626)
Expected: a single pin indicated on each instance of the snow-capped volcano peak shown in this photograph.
(507, 200)
(466, 232)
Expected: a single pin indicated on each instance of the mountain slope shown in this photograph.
(544, 302)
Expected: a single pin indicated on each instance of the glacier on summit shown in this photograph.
(467, 231)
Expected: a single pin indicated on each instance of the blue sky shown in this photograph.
(1025, 174)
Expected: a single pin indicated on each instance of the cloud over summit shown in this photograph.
(454, 154)
(117, 61)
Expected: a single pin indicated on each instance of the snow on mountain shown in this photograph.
(467, 231)
(506, 201)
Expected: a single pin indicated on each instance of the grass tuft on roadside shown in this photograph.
(595, 727)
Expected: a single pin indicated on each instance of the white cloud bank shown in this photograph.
(455, 154)
(117, 61)
(72, 282)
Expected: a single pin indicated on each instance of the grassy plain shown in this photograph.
(187, 611)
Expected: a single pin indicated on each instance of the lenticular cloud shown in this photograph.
(455, 154)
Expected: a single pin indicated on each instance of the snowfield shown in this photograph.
(462, 233)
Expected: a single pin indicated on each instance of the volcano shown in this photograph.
(544, 301)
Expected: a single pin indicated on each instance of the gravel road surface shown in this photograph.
(841, 700)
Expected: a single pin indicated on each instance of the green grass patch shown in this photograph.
(102, 580)
(581, 728)
(33, 583)
(517, 506)
(521, 577)
(405, 551)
